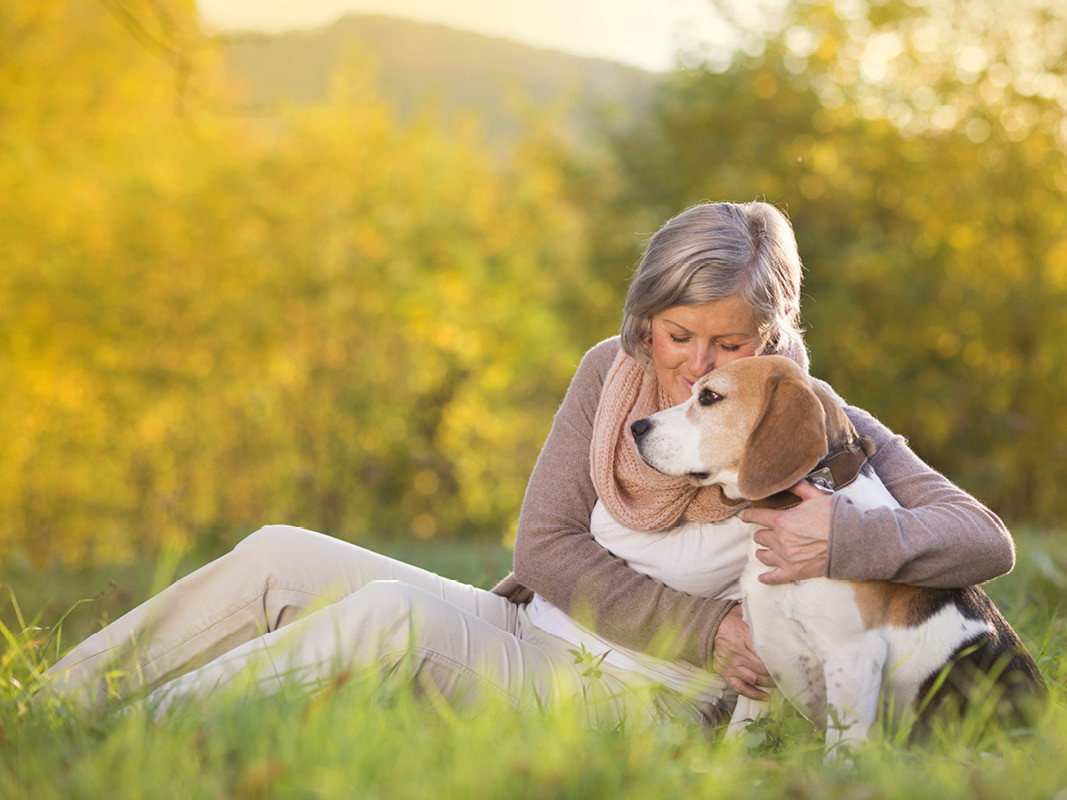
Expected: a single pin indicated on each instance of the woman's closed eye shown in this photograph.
(729, 348)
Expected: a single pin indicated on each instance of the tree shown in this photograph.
(212, 322)
(928, 196)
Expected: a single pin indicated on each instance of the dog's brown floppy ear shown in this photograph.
(788, 441)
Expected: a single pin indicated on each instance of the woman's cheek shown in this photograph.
(666, 355)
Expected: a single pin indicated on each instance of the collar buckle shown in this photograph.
(823, 478)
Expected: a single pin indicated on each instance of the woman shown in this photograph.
(717, 283)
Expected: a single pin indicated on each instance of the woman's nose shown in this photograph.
(701, 363)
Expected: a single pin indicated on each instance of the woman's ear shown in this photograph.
(788, 441)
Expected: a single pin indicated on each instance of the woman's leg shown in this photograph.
(401, 634)
(273, 577)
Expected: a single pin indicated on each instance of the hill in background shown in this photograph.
(418, 64)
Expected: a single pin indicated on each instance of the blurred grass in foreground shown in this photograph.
(348, 742)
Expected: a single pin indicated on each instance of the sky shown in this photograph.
(643, 33)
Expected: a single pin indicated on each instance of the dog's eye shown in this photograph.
(708, 397)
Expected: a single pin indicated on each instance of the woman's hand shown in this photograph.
(734, 659)
(795, 540)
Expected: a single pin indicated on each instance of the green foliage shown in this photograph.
(779, 732)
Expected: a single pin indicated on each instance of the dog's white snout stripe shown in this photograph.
(668, 443)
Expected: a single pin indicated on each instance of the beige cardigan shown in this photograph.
(940, 537)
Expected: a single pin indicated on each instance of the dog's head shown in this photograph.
(755, 427)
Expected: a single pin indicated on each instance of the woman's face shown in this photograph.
(690, 341)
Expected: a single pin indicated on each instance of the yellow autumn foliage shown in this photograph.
(324, 318)
(213, 318)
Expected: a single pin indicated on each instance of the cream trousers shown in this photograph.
(289, 605)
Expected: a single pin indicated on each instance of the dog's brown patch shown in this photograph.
(882, 603)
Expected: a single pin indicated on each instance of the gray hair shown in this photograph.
(710, 252)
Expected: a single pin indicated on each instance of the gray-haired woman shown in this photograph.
(717, 283)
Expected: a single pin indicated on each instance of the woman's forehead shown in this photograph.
(726, 316)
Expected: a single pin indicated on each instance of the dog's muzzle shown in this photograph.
(640, 430)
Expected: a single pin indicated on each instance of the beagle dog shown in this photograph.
(836, 649)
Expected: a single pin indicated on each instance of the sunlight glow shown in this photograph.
(644, 33)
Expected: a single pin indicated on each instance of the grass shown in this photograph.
(353, 742)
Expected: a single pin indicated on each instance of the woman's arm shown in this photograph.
(941, 537)
(557, 557)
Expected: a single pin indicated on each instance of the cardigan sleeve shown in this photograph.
(557, 556)
(940, 537)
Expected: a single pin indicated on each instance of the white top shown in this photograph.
(700, 559)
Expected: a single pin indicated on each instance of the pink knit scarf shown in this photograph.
(636, 495)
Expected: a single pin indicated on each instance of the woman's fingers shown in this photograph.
(736, 661)
(745, 688)
(794, 541)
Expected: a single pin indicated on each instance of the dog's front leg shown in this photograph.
(747, 710)
(854, 673)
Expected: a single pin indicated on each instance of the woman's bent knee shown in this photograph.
(390, 597)
(398, 611)
(275, 538)
(289, 557)
(294, 559)
(287, 547)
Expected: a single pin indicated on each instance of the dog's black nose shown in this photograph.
(640, 428)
